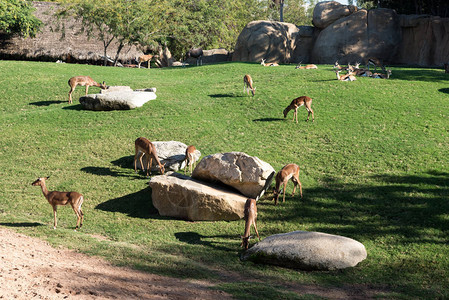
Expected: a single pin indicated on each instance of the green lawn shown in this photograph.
(374, 167)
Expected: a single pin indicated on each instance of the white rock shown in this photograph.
(117, 100)
(308, 251)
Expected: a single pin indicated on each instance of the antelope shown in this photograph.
(144, 58)
(363, 73)
(311, 66)
(83, 81)
(446, 67)
(347, 77)
(196, 53)
(248, 85)
(145, 147)
(250, 217)
(337, 66)
(62, 198)
(268, 64)
(290, 171)
(190, 159)
(298, 102)
(382, 76)
(376, 63)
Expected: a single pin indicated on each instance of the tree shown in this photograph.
(431, 7)
(126, 21)
(298, 12)
(16, 17)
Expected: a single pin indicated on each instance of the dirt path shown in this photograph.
(32, 269)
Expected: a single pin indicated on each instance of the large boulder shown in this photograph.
(307, 251)
(425, 40)
(182, 197)
(359, 36)
(116, 100)
(327, 12)
(269, 40)
(170, 153)
(248, 174)
(211, 56)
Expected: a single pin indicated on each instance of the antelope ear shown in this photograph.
(46, 177)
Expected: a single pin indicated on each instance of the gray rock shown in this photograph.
(327, 12)
(247, 174)
(182, 197)
(170, 153)
(116, 88)
(307, 251)
(116, 100)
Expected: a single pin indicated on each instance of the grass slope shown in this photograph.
(374, 167)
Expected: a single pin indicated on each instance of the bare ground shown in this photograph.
(31, 269)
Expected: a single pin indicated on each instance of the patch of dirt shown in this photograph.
(32, 269)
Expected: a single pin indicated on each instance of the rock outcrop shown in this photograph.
(121, 99)
(182, 197)
(248, 174)
(307, 251)
(348, 34)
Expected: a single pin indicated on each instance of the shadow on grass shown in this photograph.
(194, 238)
(268, 120)
(102, 171)
(126, 162)
(47, 103)
(445, 90)
(78, 107)
(22, 224)
(419, 75)
(136, 205)
(230, 95)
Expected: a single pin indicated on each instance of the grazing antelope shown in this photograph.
(307, 67)
(248, 85)
(145, 147)
(62, 198)
(250, 217)
(196, 53)
(268, 64)
(144, 58)
(382, 76)
(347, 77)
(298, 102)
(83, 81)
(290, 171)
(190, 159)
(376, 63)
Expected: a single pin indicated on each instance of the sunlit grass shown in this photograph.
(374, 167)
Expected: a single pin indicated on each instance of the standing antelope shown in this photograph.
(268, 64)
(145, 58)
(83, 81)
(250, 219)
(347, 77)
(248, 85)
(62, 198)
(190, 159)
(145, 147)
(376, 63)
(290, 171)
(382, 76)
(298, 102)
(196, 53)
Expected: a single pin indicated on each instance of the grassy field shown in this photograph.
(374, 167)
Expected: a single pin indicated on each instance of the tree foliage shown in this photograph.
(16, 17)
(298, 12)
(431, 7)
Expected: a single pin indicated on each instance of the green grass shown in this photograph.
(374, 167)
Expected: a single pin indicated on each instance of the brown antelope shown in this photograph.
(382, 76)
(62, 198)
(248, 85)
(376, 63)
(145, 147)
(363, 73)
(337, 66)
(347, 77)
(250, 217)
(298, 102)
(190, 159)
(307, 67)
(290, 171)
(268, 64)
(144, 58)
(83, 81)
